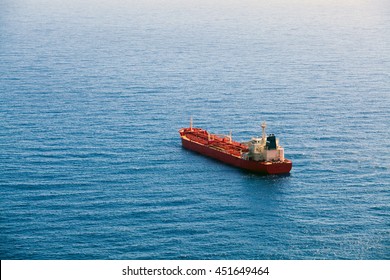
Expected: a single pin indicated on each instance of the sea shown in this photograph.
(93, 93)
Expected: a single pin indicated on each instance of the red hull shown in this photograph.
(226, 157)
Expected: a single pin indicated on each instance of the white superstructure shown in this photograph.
(266, 148)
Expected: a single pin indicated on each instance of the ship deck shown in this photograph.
(222, 143)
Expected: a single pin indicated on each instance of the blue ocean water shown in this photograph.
(93, 94)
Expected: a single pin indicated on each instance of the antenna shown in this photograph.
(191, 123)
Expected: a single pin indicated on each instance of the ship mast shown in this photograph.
(264, 136)
(191, 123)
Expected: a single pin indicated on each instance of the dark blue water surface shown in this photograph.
(93, 92)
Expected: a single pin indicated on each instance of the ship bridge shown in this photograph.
(266, 148)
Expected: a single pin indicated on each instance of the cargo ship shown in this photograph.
(262, 155)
